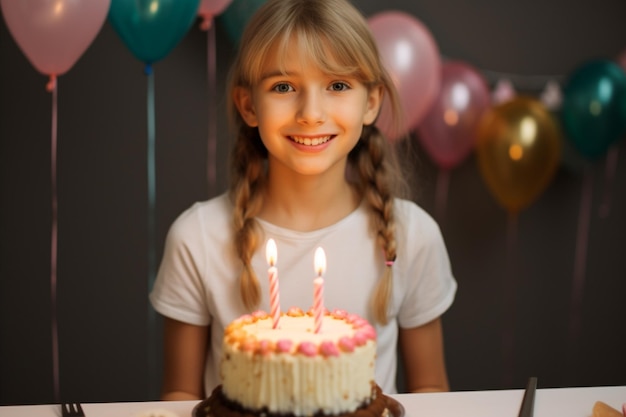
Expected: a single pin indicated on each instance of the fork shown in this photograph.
(528, 403)
(72, 410)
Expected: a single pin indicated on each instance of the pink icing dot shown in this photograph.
(346, 344)
(307, 349)
(359, 322)
(259, 314)
(329, 349)
(264, 347)
(295, 312)
(353, 318)
(340, 314)
(284, 345)
(369, 331)
(360, 338)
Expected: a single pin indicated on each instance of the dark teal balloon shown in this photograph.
(593, 113)
(237, 15)
(152, 28)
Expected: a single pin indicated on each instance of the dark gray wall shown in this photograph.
(109, 346)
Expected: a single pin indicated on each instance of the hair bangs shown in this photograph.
(322, 39)
(333, 52)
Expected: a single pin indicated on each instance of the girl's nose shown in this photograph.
(311, 108)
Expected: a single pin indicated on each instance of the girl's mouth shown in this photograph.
(308, 141)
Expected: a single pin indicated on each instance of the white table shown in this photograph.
(549, 402)
(552, 402)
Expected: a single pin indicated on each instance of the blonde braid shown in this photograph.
(376, 174)
(246, 194)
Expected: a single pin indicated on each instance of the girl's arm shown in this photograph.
(423, 355)
(184, 355)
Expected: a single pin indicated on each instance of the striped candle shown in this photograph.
(318, 288)
(271, 254)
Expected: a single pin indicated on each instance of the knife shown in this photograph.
(528, 403)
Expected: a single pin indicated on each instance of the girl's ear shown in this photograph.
(242, 97)
(374, 101)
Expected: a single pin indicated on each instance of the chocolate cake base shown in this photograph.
(217, 405)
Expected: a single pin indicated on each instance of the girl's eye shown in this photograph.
(339, 86)
(282, 88)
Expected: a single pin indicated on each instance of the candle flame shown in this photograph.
(271, 253)
(320, 261)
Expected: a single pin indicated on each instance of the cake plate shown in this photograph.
(395, 408)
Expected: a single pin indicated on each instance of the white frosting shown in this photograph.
(292, 382)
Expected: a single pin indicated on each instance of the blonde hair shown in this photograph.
(320, 27)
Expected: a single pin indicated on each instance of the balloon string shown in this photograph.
(580, 258)
(212, 116)
(508, 334)
(151, 164)
(52, 87)
(609, 174)
(441, 192)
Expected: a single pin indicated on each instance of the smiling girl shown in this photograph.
(310, 169)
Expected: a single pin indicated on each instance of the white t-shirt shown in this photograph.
(198, 280)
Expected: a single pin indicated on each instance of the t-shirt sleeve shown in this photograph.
(429, 284)
(178, 291)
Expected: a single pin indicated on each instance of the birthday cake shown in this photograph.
(297, 366)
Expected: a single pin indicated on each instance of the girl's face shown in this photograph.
(308, 120)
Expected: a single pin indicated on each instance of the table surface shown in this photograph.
(549, 402)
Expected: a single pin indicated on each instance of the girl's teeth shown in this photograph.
(309, 141)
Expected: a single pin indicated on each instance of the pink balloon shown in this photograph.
(412, 58)
(54, 34)
(448, 131)
(209, 9)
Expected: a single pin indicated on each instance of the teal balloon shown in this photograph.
(152, 28)
(593, 112)
(237, 15)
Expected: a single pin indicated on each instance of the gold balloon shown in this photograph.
(518, 150)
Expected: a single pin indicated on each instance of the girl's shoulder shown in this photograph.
(410, 211)
(217, 206)
(210, 213)
(412, 220)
